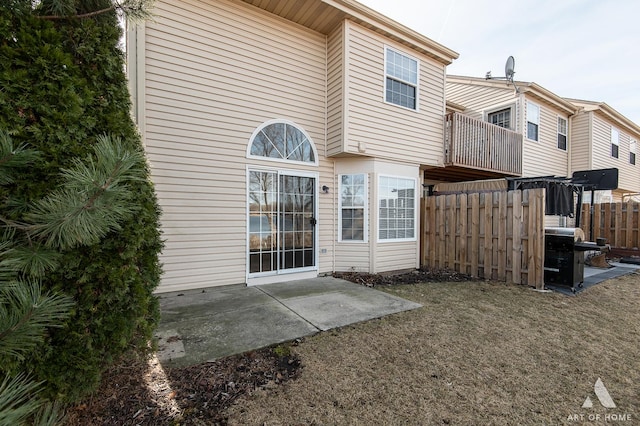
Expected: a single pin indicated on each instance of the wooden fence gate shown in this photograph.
(492, 235)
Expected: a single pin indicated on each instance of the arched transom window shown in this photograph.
(281, 140)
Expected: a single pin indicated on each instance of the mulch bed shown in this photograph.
(413, 277)
(139, 391)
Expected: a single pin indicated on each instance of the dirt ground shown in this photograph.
(476, 353)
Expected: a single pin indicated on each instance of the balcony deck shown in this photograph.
(475, 149)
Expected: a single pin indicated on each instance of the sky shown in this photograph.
(584, 49)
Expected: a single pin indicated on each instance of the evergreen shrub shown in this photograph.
(63, 86)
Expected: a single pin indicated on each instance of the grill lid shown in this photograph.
(576, 233)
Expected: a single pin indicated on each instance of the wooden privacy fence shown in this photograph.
(617, 222)
(491, 235)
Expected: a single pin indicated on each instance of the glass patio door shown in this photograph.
(282, 223)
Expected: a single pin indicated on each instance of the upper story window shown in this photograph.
(533, 121)
(500, 118)
(352, 207)
(284, 141)
(562, 133)
(615, 142)
(396, 209)
(401, 79)
(633, 146)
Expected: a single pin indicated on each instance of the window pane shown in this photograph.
(352, 205)
(401, 79)
(562, 141)
(562, 126)
(615, 137)
(532, 131)
(396, 208)
(533, 113)
(501, 118)
(282, 141)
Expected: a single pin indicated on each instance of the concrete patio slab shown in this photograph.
(332, 304)
(593, 276)
(203, 325)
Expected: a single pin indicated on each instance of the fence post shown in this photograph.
(516, 245)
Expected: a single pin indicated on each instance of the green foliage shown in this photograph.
(63, 88)
(282, 350)
(92, 201)
(25, 312)
(16, 399)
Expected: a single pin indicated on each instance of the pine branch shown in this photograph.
(94, 201)
(33, 260)
(17, 400)
(78, 16)
(13, 159)
(24, 314)
(134, 10)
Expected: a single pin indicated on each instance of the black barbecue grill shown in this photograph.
(564, 256)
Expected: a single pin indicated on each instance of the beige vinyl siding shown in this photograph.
(383, 130)
(601, 144)
(335, 92)
(326, 226)
(478, 100)
(214, 72)
(628, 174)
(542, 157)
(352, 257)
(579, 144)
(395, 257)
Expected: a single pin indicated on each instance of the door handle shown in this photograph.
(313, 221)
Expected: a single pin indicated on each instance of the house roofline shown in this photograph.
(609, 112)
(530, 88)
(397, 31)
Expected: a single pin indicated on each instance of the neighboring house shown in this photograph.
(603, 138)
(540, 116)
(560, 135)
(286, 139)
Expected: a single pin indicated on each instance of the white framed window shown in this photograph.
(282, 140)
(500, 117)
(562, 133)
(633, 147)
(533, 121)
(615, 143)
(352, 208)
(401, 79)
(397, 209)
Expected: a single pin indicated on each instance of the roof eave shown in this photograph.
(550, 97)
(387, 25)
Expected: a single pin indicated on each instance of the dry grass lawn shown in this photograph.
(476, 353)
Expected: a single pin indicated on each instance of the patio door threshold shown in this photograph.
(279, 278)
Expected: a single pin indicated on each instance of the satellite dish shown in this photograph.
(509, 68)
(509, 71)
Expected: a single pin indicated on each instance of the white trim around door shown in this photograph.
(282, 225)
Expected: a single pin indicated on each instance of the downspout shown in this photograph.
(590, 156)
(563, 219)
(569, 145)
(135, 54)
(334, 196)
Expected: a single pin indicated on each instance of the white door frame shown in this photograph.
(281, 275)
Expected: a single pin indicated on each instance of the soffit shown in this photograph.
(324, 16)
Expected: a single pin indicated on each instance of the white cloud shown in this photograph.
(585, 49)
